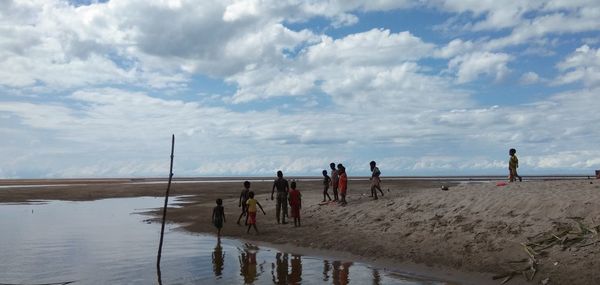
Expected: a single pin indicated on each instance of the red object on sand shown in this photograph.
(501, 184)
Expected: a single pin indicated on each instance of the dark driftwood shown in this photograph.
(162, 229)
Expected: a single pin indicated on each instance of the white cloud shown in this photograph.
(583, 65)
(115, 132)
(454, 48)
(469, 67)
(529, 78)
(362, 64)
(376, 93)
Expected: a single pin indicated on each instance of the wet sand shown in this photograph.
(476, 227)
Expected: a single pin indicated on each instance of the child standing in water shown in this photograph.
(343, 183)
(218, 216)
(243, 198)
(296, 203)
(251, 210)
(326, 181)
(513, 164)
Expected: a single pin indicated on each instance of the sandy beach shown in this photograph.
(473, 227)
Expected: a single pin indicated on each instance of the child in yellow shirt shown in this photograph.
(252, 203)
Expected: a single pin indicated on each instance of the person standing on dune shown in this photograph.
(342, 184)
(282, 186)
(334, 181)
(375, 180)
(513, 164)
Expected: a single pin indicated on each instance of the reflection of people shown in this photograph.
(513, 164)
(282, 186)
(252, 203)
(326, 270)
(248, 264)
(341, 272)
(295, 203)
(242, 203)
(296, 274)
(345, 273)
(218, 216)
(335, 272)
(376, 277)
(375, 180)
(218, 258)
(280, 272)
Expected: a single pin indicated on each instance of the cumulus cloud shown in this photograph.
(127, 133)
(359, 65)
(529, 78)
(97, 90)
(469, 67)
(583, 65)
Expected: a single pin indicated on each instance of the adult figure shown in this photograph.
(343, 183)
(375, 180)
(282, 186)
(335, 178)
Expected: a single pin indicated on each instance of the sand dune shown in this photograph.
(475, 227)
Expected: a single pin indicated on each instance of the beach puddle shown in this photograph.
(105, 242)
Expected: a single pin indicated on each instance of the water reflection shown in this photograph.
(218, 258)
(326, 267)
(376, 277)
(248, 264)
(100, 242)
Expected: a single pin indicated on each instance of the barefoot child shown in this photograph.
(251, 210)
(295, 203)
(334, 181)
(513, 164)
(375, 180)
(242, 202)
(218, 216)
(326, 182)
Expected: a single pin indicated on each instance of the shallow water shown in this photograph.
(105, 242)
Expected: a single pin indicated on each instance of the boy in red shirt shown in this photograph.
(295, 199)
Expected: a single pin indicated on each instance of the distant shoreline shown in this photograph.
(39, 182)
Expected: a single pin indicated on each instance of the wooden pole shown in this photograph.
(162, 229)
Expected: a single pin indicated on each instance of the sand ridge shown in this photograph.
(474, 227)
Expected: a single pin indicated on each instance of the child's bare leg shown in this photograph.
(248, 231)
(298, 221)
(241, 215)
(379, 188)
(255, 228)
(374, 192)
(218, 232)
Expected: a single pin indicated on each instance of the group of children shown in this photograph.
(249, 208)
(338, 182)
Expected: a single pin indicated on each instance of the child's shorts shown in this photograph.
(252, 218)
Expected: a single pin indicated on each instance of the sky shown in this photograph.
(441, 87)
